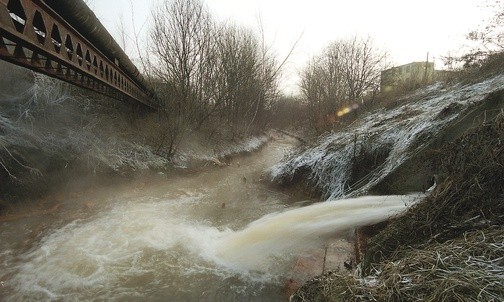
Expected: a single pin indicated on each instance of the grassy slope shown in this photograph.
(449, 247)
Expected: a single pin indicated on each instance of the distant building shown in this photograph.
(408, 76)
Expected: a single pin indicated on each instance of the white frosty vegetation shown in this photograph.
(400, 132)
(50, 123)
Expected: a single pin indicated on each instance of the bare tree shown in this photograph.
(490, 36)
(244, 85)
(323, 87)
(362, 65)
(122, 33)
(486, 43)
(238, 72)
(182, 43)
(216, 78)
(344, 72)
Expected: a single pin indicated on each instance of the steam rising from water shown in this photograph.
(147, 243)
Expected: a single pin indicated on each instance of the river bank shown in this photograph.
(450, 147)
(449, 245)
(82, 182)
(52, 132)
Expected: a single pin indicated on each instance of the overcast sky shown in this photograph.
(407, 29)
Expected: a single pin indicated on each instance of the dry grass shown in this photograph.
(449, 247)
(470, 197)
(466, 269)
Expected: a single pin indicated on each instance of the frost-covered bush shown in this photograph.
(398, 133)
(53, 126)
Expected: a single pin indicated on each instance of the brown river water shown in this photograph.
(222, 234)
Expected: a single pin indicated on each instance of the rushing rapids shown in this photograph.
(193, 238)
(220, 234)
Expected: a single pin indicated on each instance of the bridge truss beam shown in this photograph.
(32, 35)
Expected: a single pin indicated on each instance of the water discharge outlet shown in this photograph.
(277, 234)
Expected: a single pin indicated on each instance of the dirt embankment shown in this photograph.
(416, 174)
(447, 247)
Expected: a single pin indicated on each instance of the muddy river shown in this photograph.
(221, 234)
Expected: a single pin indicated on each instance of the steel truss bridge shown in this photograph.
(64, 39)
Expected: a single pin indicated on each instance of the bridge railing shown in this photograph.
(33, 35)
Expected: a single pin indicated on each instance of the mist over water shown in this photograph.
(219, 235)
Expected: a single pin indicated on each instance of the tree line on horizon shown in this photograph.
(212, 77)
(222, 79)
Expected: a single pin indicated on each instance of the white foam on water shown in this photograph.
(147, 241)
(99, 252)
